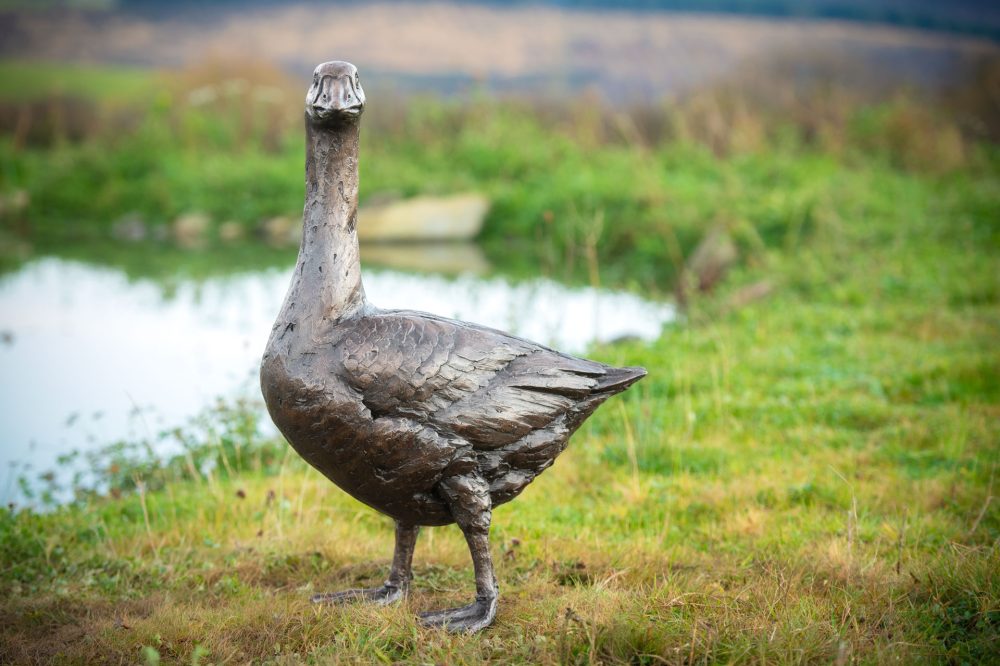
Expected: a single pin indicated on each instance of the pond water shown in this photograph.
(89, 356)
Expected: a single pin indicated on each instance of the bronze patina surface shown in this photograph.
(429, 420)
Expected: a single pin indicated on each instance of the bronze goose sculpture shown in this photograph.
(429, 420)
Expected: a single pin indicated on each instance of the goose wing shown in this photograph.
(487, 387)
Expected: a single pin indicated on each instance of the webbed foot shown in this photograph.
(466, 619)
(380, 596)
(391, 591)
(468, 498)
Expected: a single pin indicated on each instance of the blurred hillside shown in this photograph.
(537, 49)
(968, 16)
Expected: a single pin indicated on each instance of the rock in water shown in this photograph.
(458, 217)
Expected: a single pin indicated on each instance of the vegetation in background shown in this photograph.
(632, 188)
(805, 477)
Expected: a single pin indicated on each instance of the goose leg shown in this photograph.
(398, 584)
(469, 499)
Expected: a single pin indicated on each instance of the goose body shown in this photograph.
(428, 420)
(393, 401)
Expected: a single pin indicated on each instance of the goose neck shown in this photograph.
(329, 263)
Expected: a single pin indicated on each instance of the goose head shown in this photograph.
(335, 96)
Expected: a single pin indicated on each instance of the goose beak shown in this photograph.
(329, 112)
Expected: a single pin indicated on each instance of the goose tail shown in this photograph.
(616, 380)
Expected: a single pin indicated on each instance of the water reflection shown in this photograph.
(90, 356)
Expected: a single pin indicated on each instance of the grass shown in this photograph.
(806, 478)
(810, 478)
(32, 80)
(798, 482)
